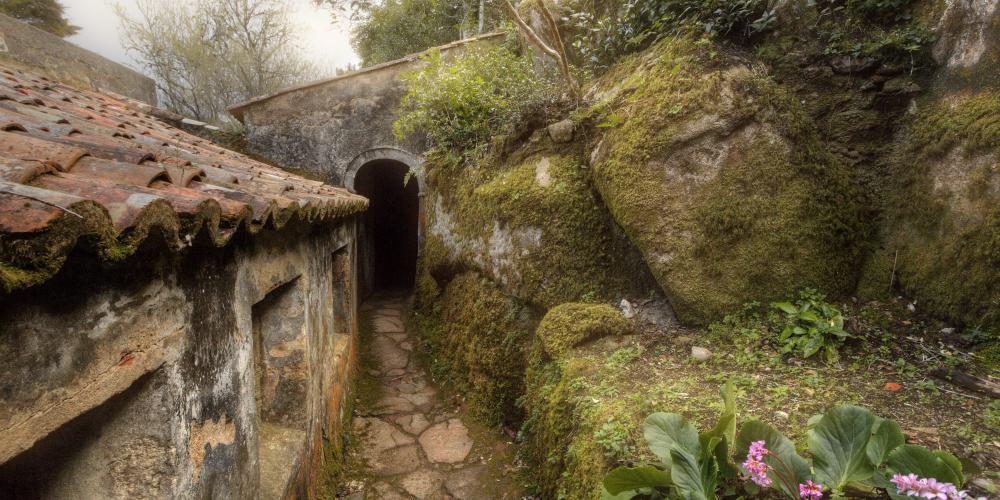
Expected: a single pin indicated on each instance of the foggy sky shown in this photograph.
(328, 46)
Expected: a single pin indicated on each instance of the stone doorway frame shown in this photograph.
(413, 162)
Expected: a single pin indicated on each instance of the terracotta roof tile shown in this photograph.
(80, 164)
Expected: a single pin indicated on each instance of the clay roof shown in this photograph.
(100, 169)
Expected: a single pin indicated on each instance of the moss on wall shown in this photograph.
(945, 219)
(476, 337)
(721, 181)
(533, 223)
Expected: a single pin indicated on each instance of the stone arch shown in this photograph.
(384, 221)
(414, 162)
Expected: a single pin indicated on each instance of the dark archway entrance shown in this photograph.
(390, 227)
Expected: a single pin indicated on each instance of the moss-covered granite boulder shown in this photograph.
(531, 222)
(944, 225)
(721, 181)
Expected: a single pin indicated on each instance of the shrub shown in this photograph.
(811, 326)
(602, 37)
(462, 102)
(852, 451)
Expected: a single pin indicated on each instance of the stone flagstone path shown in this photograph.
(414, 444)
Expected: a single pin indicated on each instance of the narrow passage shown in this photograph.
(416, 443)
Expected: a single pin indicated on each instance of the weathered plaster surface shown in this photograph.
(143, 383)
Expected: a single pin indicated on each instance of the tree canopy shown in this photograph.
(206, 55)
(390, 29)
(48, 15)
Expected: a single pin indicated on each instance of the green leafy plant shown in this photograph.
(811, 326)
(461, 102)
(607, 31)
(690, 463)
(853, 453)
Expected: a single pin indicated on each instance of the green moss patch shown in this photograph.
(720, 179)
(569, 325)
(533, 223)
(476, 340)
(945, 219)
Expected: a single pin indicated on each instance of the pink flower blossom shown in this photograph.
(810, 490)
(755, 465)
(929, 488)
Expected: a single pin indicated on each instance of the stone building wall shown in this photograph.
(331, 126)
(30, 48)
(216, 373)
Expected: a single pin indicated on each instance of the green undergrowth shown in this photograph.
(585, 409)
(720, 179)
(944, 224)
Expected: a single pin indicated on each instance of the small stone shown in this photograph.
(947, 331)
(780, 415)
(700, 353)
(562, 131)
(627, 310)
(422, 483)
(911, 307)
(892, 387)
(542, 176)
(448, 442)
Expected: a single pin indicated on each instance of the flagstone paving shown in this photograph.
(416, 444)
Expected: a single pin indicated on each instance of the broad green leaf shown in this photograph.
(786, 307)
(728, 471)
(694, 480)
(728, 392)
(788, 470)
(953, 463)
(664, 430)
(886, 436)
(913, 459)
(623, 479)
(839, 443)
(809, 316)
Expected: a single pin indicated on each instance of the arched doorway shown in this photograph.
(389, 232)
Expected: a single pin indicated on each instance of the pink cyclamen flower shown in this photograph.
(810, 490)
(755, 465)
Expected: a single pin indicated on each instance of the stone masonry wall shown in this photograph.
(322, 126)
(39, 51)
